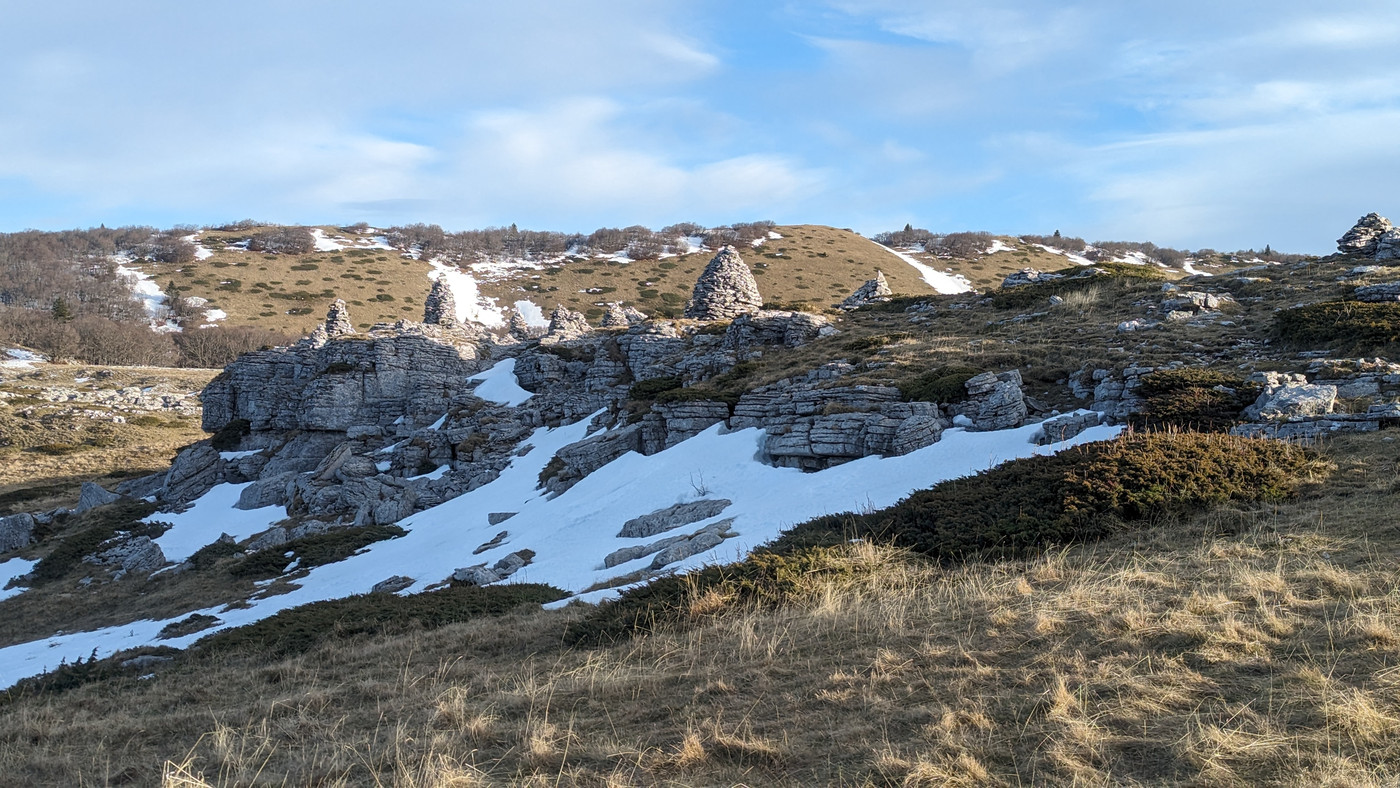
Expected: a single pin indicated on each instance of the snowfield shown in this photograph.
(570, 533)
(945, 283)
(471, 305)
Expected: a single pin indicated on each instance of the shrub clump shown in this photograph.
(649, 389)
(1193, 399)
(299, 629)
(91, 529)
(314, 550)
(1075, 278)
(1351, 324)
(229, 435)
(942, 384)
(1078, 495)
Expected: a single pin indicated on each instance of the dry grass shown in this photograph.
(1239, 648)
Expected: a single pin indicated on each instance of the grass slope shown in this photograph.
(1240, 646)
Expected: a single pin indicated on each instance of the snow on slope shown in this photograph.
(571, 533)
(11, 569)
(17, 358)
(324, 244)
(208, 517)
(945, 283)
(499, 385)
(144, 288)
(200, 253)
(471, 305)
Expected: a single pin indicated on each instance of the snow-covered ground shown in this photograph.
(17, 358)
(11, 569)
(999, 245)
(570, 533)
(471, 305)
(943, 282)
(1071, 256)
(325, 244)
(200, 252)
(532, 314)
(1191, 269)
(152, 298)
(499, 385)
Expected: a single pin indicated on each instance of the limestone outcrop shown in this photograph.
(874, 291)
(1364, 238)
(725, 290)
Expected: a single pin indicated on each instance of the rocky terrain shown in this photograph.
(597, 455)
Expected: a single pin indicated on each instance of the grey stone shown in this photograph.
(440, 307)
(16, 531)
(995, 401)
(142, 486)
(338, 321)
(564, 325)
(195, 471)
(275, 536)
(1062, 428)
(496, 518)
(392, 585)
(1379, 293)
(619, 316)
(775, 328)
(145, 661)
(874, 291)
(671, 517)
(510, 564)
(130, 554)
(725, 289)
(267, 491)
(1365, 236)
(1388, 245)
(477, 575)
(579, 459)
(1029, 276)
(1293, 401)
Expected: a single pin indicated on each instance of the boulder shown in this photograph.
(1388, 245)
(195, 471)
(1029, 276)
(775, 328)
(565, 324)
(725, 289)
(477, 575)
(1378, 293)
(267, 491)
(392, 585)
(93, 496)
(496, 518)
(995, 401)
(129, 554)
(619, 316)
(874, 291)
(16, 531)
(1364, 237)
(1293, 401)
(671, 517)
(1062, 428)
(440, 307)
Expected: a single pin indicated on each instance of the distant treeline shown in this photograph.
(968, 244)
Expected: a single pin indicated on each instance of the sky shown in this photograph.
(1192, 124)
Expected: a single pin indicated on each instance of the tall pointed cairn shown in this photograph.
(440, 308)
(338, 319)
(874, 290)
(725, 290)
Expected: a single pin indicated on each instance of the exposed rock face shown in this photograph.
(995, 401)
(16, 531)
(520, 330)
(93, 496)
(619, 316)
(196, 469)
(566, 324)
(577, 460)
(480, 574)
(1062, 428)
(1194, 303)
(673, 548)
(1293, 400)
(1029, 276)
(1364, 238)
(440, 307)
(392, 585)
(725, 290)
(1388, 245)
(774, 327)
(1385, 291)
(671, 517)
(129, 554)
(874, 291)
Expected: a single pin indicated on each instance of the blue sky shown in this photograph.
(1191, 124)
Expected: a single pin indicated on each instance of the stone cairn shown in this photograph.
(873, 291)
(565, 324)
(338, 320)
(1365, 236)
(440, 308)
(725, 290)
(619, 316)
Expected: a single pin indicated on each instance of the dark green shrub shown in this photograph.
(195, 622)
(229, 435)
(90, 529)
(877, 341)
(649, 389)
(145, 420)
(1024, 296)
(550, 470)
(300, 629)
(941, 384)
(58, 449)
(314, 550)
(1193, 398)
(339, 368)
(1021, 506)
(210, 554)
(69, 676)
(1353, 325)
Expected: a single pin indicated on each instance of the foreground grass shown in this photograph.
(1241, 646)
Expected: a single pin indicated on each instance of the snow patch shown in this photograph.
(942, 282)
(999, 246)
(570, 533)
(471, 305)
(152, 298)
(1071, 256)
(11, 569)
(500, 385)
(324, 244)
(206, 518)
(200, 253)
(532, 314)
(17, 358)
